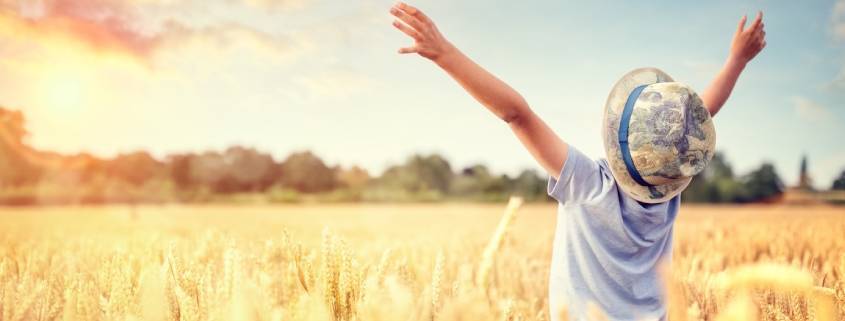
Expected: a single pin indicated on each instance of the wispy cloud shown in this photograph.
(335, 84)
(275, 4)
(837, 32)
(837, 21)
(809, 110)
(838, 83)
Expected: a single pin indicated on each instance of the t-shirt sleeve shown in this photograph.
(578, 180)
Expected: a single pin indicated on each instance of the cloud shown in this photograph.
(809, 110)
(119, 26)
(837, 21)
(837, 32)
(275, 4)
(335, 84)
(838, 83)
(102, 25)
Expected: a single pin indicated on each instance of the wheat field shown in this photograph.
(391, 262)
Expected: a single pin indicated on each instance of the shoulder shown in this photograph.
(580, 179)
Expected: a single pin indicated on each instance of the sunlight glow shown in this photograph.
(64, 89)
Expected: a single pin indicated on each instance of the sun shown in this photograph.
(64, 89)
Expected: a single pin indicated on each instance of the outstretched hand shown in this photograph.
(748, 42)
(428, 42)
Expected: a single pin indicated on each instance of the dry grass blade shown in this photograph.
(487, 259)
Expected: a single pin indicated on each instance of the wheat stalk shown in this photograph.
(436, 279)
(495, 243)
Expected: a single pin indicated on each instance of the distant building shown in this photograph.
(804, 180)
(803, 193)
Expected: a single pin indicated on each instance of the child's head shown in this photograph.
(657, 135)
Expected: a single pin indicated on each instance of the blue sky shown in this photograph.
(307, 74)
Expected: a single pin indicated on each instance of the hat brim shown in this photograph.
(612, 114)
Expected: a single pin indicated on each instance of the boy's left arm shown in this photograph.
(746, 44)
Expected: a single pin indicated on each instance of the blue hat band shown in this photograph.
(623, 136)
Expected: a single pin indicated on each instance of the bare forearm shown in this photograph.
(496, 95)
(746, 44)
(720, 88)
(540, 140)
(507, 104)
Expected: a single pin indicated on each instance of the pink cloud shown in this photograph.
(113, 26)
(102, 25)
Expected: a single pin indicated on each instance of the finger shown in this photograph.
(407, 30)
(407, 50)
(758, 36)
(405, 17)
(411, 10)
(763, 45)
(741, 25)
(758, 20)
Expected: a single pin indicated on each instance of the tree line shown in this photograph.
(243, 174)
(718, 184)
(28, 176)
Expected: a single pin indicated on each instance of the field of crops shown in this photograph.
(390, 262)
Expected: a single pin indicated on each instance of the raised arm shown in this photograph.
(746, 44)
(502, 100)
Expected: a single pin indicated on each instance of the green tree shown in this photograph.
(762, 184)
(529, 185)
(420, 174)
(305, 172)
(471, 182)
(839, 183)
(715, 184)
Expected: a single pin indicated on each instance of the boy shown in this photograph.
(615, 215)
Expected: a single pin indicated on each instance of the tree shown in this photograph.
(715, 184)
(354, 177)
(134, 168)
(305, 172)
(247, 170)
(420, 174)
(207, 170)
(478, 182)
(762, 184)
(529, 185)
(839, 183)
(12, 127)
(15, 168)
(472, 181)
(179, 168)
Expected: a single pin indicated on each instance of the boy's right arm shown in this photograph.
(546, 147)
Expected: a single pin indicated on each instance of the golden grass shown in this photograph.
(391, 262)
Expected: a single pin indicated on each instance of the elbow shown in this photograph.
(517, 115)
(513, 117)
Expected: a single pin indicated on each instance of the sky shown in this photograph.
(114, 76)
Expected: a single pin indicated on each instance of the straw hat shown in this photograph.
(657, 135)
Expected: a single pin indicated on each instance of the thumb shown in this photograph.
(741, 25)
